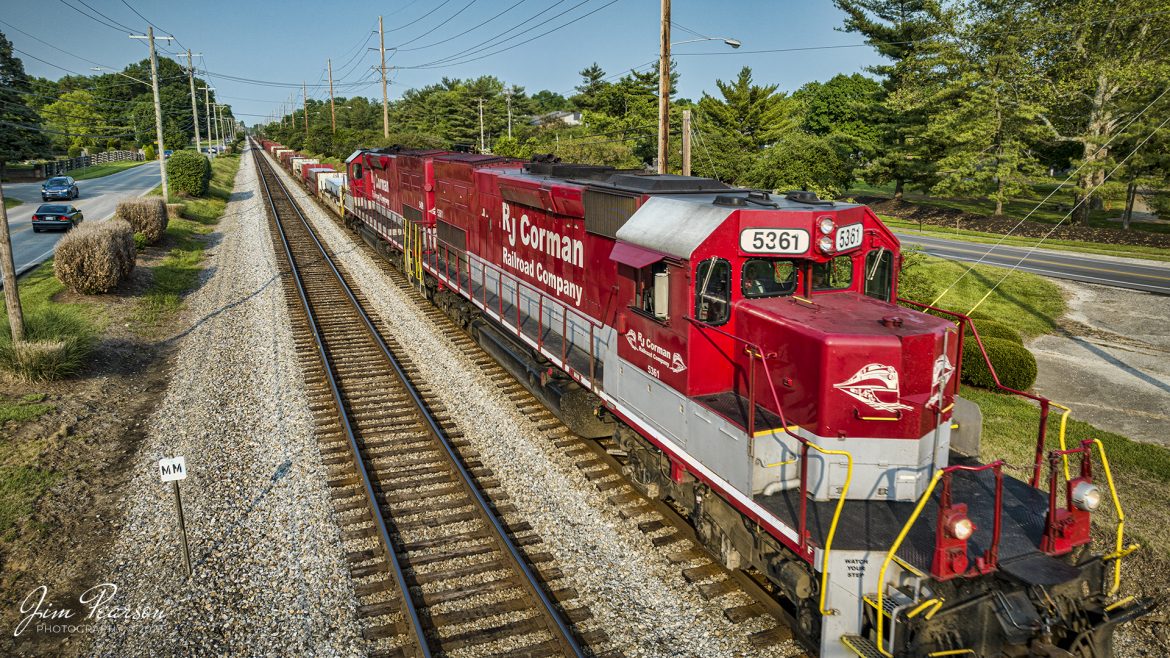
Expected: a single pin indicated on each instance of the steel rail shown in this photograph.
(558, 627)
(410, 609)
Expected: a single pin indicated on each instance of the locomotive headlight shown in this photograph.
(825, 244)
(1086, 496)
(825, 224)
(961, 528)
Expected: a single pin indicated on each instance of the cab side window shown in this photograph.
(879, 274)
(713, 291)
(357, 171)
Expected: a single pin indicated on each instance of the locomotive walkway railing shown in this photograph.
(754, 351)
(1045, 404)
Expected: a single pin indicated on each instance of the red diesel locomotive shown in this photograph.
(746, 351)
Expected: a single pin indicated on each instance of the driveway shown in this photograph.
(1111, 362)
(99, 198)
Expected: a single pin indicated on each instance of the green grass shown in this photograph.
(907, 226)
(1031, 204)
(178, 272)
(23, 409)
(73, 327)
(1028, 303)
(9, 202)
(1009, 433)
(21, 486)
(99, 170)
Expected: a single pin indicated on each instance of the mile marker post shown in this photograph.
(172, 470)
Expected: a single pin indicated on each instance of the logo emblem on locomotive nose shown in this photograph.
(875, 385)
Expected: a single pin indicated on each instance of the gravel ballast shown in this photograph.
(635, 593)
(269, 577)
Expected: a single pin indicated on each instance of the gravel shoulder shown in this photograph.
(1112, 358)
(269, 574)
(635, 594)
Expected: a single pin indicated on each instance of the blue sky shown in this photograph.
(288, 42)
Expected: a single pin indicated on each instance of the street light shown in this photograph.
(102, 68)
(734, 43)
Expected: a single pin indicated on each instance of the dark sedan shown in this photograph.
(56, 216)
(60, 187)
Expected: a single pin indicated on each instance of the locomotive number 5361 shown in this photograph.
(773, 240)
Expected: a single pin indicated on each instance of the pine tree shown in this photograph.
(988, 116)
(900, 30)
(746, 119)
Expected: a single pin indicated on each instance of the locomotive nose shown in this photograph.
(848, 368)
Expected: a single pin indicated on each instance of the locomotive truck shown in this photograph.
(748, 353)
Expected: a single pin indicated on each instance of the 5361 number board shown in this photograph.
(774, 240)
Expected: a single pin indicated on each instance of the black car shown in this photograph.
(56, 215)
(59, 187)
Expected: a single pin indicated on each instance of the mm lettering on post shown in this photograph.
(172, 470)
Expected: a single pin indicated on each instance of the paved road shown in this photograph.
(99, 198)
(1154, 277)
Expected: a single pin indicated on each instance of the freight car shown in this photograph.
(748, 353)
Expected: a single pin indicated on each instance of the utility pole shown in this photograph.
(664, 90)
(207, 109)
(508, 95)
(219, 131)
(162, 159)
(332, 107)
(686, 145)
(305, 100)
(385, 96)
(194, 105)
(11, 295)
(481, 144)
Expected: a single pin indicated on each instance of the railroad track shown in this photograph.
(438, 567)
(602, 463)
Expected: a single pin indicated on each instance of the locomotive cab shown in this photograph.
(775, 316)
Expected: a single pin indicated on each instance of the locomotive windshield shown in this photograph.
(836, 274)
(769, 277)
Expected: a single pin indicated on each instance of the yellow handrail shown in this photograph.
(894, 549)
(836, 517)
(1119, 553)
(1063, 426)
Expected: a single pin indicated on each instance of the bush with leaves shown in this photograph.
(148, 153)
(94, 257)
(147, 216)
(189, 173)
(993, 329)
(1014, 364)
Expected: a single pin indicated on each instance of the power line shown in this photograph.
(440, 25)
(95, 19)
(411, 23)
(476, 27)
(489, 40)
(50, 44)
(528, 39)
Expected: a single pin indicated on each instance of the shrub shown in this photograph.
(93, 258)
(147, 216)
(148, 153)
(189, 173)
(915, 280)
(1014, 364)
(992, 329)
(58, 340)
(140, 241)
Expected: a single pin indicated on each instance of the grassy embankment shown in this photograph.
(179, 271)
(99, 170)
(981, 237)
(23, 479)
(9, 202)
(1033, 306)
